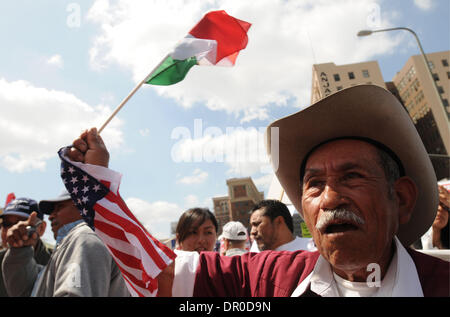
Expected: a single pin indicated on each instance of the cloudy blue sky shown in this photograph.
(65, 65)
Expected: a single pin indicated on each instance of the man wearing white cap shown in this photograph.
(234, 236)
(356, 169)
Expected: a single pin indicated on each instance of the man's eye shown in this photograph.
(315, 183)
(352, 175)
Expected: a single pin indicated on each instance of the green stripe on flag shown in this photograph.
(171, 71)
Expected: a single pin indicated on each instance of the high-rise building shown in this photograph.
(242, 197)
(428, 108)
(412, 85)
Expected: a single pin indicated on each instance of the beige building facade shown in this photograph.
(427, 105)
(412, 85)
(242, 197)
(329, 78)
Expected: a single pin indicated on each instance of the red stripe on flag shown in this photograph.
(119, 201)
(130, 227)
(106, 183)
(229, 32)
(151, 286)
(127, 259)
(111, 231)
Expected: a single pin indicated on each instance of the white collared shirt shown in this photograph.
(297, 244)
(401, 279)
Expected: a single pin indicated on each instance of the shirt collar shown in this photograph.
(298, 244)
(401, 279)
(64, 230)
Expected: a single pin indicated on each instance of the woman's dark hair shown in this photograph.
(193, 218)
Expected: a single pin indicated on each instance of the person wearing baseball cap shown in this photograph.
(80, 265)
(234, 236)
(16, 213)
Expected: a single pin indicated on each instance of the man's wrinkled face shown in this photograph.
(346, 176)
(263, 230)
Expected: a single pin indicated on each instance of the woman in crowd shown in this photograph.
(197, 230)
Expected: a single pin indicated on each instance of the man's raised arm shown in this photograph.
(94, 188)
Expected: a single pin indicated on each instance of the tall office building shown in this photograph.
(428, 105)
(412, 85)
(242, 197)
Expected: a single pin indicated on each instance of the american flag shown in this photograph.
(139, 256)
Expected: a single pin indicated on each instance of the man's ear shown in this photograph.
(279, 220)
(406, 192)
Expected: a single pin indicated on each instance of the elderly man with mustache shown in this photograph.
(356, 169)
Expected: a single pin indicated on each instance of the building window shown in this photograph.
(351, 75)
(435, 77)
(337, 77)
(445, 102)
(445, 62)
(448, 75)
(339, 88)
(431, 65)
(440, 89)
(365, 73)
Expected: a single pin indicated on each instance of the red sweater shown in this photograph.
(278, 273)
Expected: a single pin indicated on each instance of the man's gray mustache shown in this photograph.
(337, 214)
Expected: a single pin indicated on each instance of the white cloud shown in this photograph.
(197, 177)
(242, 149)
(155, 216)
(424, 4)
(36, 122)
(56, 60)
(191, 201)
(263, 183)
(274, 69)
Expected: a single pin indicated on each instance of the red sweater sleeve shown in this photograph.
(433, 274)
(264, 274)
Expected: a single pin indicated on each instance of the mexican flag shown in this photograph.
(215, 40)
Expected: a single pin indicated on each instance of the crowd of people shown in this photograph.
(367, 195)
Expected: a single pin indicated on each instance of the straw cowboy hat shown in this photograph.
(364, 111)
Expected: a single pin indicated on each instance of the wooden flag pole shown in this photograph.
(120, 106)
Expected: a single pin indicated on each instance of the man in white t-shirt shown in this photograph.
(273, 229)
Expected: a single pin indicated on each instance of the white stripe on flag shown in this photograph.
(114, 208)
(205, 51)
(149, 264)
